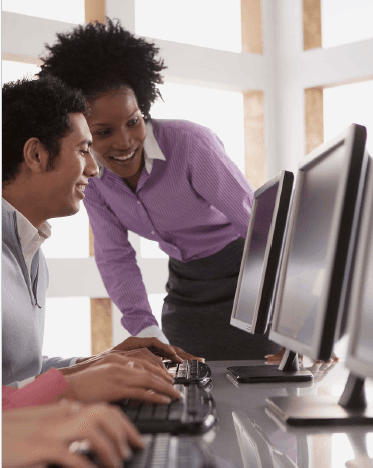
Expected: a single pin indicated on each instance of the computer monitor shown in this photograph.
(259, 273)
(311, 291)
(261, 256)
(360, 350)
(351, 407)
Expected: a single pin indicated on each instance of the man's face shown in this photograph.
(64, 185)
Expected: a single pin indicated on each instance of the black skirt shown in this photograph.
(197, 310)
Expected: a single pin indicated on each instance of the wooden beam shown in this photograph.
(255, 162)
(21, 58)
(314, 118)
(311, 24)
(251, 26)
(91, 243)
(101, 325)
(101, 322)
(95, 10)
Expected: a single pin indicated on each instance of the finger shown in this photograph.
(88, 426)
(144, 364)
(152, 382)
(149, 356)
(121, 430)
(184, 355)
(161, 349)
(148, 396)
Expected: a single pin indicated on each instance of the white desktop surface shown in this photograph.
(327, 447)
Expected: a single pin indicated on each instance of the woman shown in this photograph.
(169, 181)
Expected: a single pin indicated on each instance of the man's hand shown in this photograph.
(126, 378)
(151, 348)
(275, 358)
(156, 346)
(141, 358)
(184, 355)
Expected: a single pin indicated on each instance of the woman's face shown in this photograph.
(118, 132)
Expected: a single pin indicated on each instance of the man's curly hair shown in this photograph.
(36, 109)
(96, 58)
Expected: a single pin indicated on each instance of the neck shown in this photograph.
(134, 179)
(23, 200)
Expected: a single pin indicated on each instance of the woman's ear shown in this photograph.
(35, 155)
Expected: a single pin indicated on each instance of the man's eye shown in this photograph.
(103, 132)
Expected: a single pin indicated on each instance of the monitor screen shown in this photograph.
(317, 244)
(360, 353)
(262, 254)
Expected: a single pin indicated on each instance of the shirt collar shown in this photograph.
(151, 151)
(28, 231)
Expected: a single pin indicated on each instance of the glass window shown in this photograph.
(156, 304)
(221, 111)
(347, 104)
(70, 236)
(69, 11)
(12, 71)
(345, 21)
(150, 249)
(206, 23)
(67, 331)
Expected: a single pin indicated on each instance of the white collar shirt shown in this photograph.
(30, 238)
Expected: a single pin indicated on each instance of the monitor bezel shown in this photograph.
(353, 138)
(365, 239)
(285, 180)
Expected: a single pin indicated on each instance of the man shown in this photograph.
(46, 166)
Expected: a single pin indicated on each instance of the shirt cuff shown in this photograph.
(25, 382)
(153, 331)
(73, 361)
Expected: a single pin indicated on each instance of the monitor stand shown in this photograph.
(350, 408)
(288, 371)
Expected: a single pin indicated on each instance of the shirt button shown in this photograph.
(152, 232)
(138, 202)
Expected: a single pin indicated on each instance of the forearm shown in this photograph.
(50, 387)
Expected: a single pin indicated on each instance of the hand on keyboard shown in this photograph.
(126, 378)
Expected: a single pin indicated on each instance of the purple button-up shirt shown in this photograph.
(194, 202)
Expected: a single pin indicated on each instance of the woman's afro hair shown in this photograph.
(99, 57)
(36, 109)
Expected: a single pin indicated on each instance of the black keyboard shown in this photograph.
(194, 413)
(161, 451)
(165, 451)
(189, 372)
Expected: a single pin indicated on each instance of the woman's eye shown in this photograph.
(103, 132)
(133, 122)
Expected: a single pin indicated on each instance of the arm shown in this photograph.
(48, 388)
(116, 261)
(218, 180)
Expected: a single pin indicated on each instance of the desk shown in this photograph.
(319, 448)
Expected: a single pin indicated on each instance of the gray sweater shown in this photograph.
(23, 308)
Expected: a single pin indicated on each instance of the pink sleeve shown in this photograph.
(47, 388)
